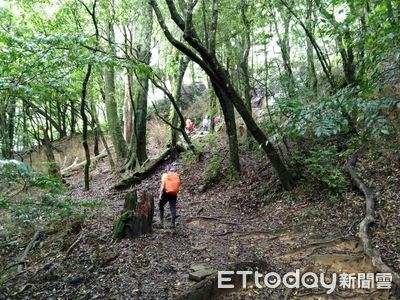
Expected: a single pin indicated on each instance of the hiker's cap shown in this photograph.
(170, 168)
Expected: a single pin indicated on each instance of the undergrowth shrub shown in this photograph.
(213, 171)
(321, 171)
(15, 174)
(217, 169)
(189, 158)
(265, 195)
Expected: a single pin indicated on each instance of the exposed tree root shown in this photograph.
(369, 218)
(72, 246)
(137, 177)
(216, 218)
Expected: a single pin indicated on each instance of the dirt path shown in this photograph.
(210, 231)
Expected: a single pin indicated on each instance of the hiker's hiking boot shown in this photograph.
(173, 225)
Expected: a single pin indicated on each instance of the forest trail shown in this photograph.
(209, 233)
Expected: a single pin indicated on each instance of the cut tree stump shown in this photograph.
(136, 218)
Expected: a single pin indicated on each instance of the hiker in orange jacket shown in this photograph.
(169, 189)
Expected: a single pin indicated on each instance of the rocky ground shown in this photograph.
(222, 228)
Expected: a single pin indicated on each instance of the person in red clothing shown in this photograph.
(189, 126)
(169, 189)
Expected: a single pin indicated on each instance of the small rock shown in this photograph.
(198, 267)
(201, 274)
(201, 188)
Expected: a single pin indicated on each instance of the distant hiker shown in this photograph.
(217, 122)
(169, 189)
(206, 123)
(189, 126)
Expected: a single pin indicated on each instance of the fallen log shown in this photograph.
(369, 218)
(22, 259)
(136, 218)
(77, 166)
(137, 177)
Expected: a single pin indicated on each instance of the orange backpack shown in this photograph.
(172, 183)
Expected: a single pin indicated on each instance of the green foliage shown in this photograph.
(211, 141)
(14, 172)
(45, 208)
(208, 143)
(31, 210)
(216, 169)
(49, 183)
(11, 170)
(265, 195)
(335, 114)
(231, 176)
(213, 171)
(189, 158)
(321, 171)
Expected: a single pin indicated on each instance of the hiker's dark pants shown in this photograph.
(172, 206)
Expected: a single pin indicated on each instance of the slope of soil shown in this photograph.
(221, 228)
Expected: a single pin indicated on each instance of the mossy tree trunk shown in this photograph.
(7, 116)
(114, 124)
(53, 167)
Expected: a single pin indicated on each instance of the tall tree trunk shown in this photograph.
(53, 167)
(229, 117)
(312, 81)
(85, 126)
(284, 44)
(95, 129)
(344, 42)
(320, 54)
(138, 151)
(244, 63)
(64, 119)
(73, 117)
(226, 105)
(219, 77)
(25, 138)
(212, 100)
(94, 116)
(128, 111)
(7, 115)
(177, 79)
(111, 105)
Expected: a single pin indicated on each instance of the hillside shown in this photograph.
(216, 228)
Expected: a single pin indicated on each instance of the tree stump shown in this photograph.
(136, 218)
